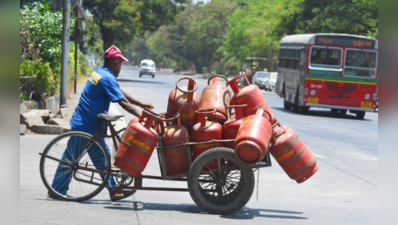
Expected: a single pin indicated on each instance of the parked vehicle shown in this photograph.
(147, 67)
(269, 83)
(259, 78)
(336, 71)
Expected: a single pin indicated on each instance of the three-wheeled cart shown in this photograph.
(217, 181)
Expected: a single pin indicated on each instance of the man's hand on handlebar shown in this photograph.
(148, 106)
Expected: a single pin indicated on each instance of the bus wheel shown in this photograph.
(360, 115)
(287, 105)
(335, 112)
(296, 106)
(303, 109)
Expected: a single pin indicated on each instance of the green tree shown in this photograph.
(120, 21)
(41, 33)
(205, 34)
(251, 32)
(196, 35)
(324, 16)
(168, 41)
(93, 38)
(40, 49)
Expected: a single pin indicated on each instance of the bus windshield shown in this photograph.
(147, 65)
(326, 56)
(360, 63)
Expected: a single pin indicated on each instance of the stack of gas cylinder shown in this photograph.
(192, 117)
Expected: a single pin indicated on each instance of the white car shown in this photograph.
(259, 78)
(270, 81)
(147, 67)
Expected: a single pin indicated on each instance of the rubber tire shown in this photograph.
(360, 115)
(192, 182)
(287, 105)
(335, 112)
(296, 106)
(153, 76)
(140, 75)
(303, 109)
(48, 186)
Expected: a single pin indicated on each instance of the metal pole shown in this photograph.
(65, 51)
(76, 26)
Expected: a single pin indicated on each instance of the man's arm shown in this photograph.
(128, 107)
(136, 102)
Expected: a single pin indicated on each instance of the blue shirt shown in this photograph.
(101, 89)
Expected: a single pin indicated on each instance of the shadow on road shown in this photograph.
(322, 114)
(139, 81)
(245, 213)
(249, 213)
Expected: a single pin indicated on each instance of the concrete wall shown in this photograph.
(51, 103)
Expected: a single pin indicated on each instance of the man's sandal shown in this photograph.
(50, 195)
(117, 195)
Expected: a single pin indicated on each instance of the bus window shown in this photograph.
(360, 63)
(326, 56)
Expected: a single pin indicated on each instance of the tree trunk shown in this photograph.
(198, 68)
(107, 37)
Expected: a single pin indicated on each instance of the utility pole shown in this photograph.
(81, 16)
(76, 29)
(65, 51)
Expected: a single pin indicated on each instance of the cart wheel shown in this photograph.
(59, 178)
(219, 183)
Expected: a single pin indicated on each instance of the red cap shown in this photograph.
(114, 52)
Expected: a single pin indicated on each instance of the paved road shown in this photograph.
(343, 191)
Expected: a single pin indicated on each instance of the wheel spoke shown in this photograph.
(219, 166)
(221, 180)
(60, 178)
(219, 190)
(210, 172)
(229, 170)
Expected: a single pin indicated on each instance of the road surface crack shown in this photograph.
(348, 172)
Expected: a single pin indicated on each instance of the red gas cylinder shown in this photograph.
(253, 138)
(184, 100)
(216, 96)
(293, 155)
(250, 95)
(231, 127)
(176, 159)
(134, 121)
(138, 143)
(205, 131)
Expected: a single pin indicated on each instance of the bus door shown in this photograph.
(303, 69)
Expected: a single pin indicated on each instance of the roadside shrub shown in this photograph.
(46, 82)
(40, 48)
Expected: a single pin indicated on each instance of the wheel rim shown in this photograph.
(221, 181)
(58, 184)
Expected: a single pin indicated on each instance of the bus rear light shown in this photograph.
(306, 91)
(374, 97)
(367, 96)
(313, 92)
